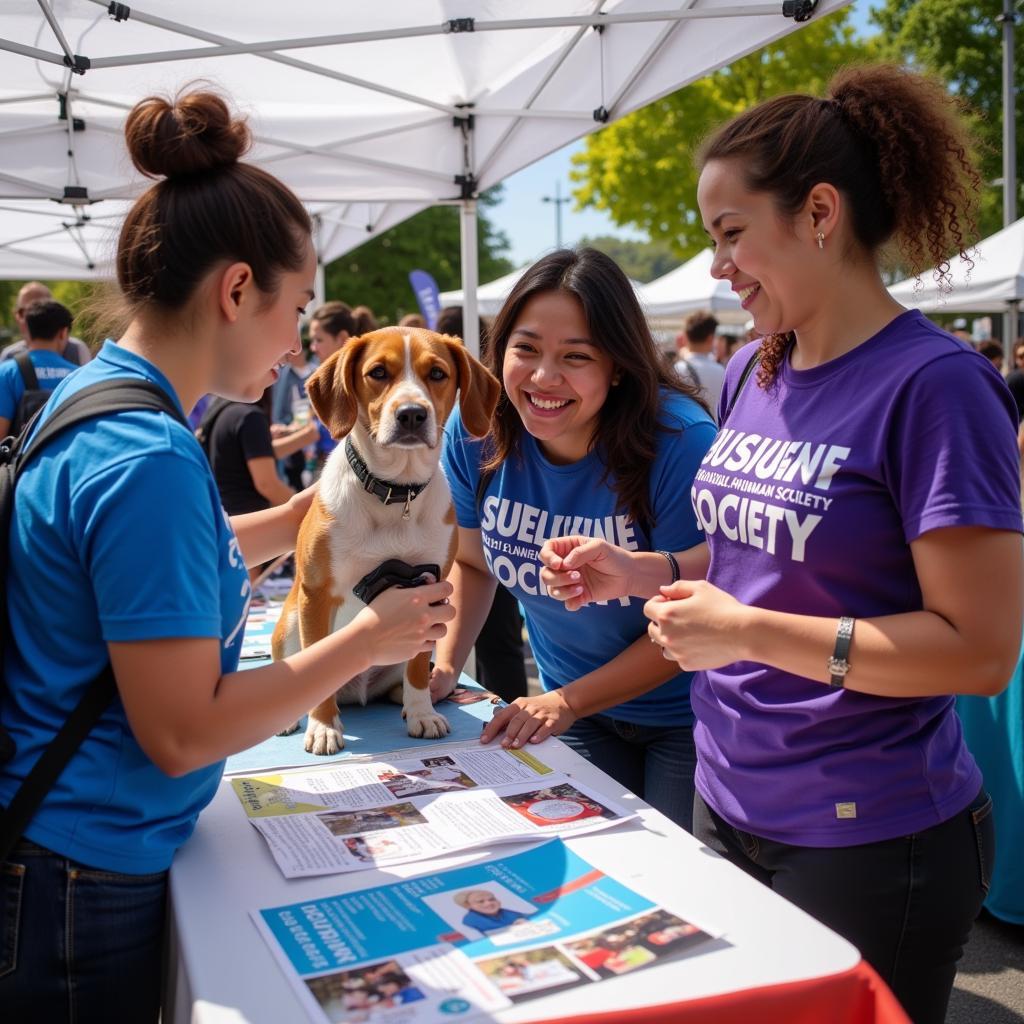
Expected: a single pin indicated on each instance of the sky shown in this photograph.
(529, 222)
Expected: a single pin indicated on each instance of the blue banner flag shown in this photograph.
(427, 295)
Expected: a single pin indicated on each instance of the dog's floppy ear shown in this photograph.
(479, 389)
(331, 389)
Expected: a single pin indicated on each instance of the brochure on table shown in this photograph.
(470, 940)
(349, 817)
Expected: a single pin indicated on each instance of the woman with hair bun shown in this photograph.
(862, 512)
(120, 552)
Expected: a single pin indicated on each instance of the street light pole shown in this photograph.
(1009, 21)
(558, 199)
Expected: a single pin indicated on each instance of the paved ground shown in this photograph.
(990, 984)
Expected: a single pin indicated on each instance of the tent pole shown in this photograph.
(1009, 20)
(470, 276)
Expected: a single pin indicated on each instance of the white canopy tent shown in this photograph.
(688, 288)
(369, 112)
(490, 297)
(995, 281)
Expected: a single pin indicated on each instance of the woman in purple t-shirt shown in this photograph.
(861, 507)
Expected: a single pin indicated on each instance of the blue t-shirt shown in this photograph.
(531, 499)
(117, 535)
(491, 922)
(50, 369)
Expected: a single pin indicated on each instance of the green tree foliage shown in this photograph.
(961, 42)
(642, 261)
(76, 295)
(641, 169)
(377, 273)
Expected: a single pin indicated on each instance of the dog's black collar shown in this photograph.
(387, 491)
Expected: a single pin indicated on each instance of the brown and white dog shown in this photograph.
(388, 393)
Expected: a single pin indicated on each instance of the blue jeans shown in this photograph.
(907, 904)
(77, 944)
(656, 762)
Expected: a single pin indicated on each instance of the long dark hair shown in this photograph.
(627, 425)
(889, 140)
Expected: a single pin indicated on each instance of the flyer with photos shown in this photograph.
(352, 816)
(470, 940)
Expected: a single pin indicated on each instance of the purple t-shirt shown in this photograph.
(809, 498)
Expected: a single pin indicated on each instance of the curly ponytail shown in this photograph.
(890, 140)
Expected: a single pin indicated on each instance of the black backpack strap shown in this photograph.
(54, 759)
(28, 371)
(752, 363)
(100, 399)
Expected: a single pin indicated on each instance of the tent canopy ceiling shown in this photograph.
(369, 117)
(996, 278)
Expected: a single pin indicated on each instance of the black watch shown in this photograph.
(839, 664)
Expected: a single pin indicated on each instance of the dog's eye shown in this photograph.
(377, 373)
(436, 373)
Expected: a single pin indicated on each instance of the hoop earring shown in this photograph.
(821, 239)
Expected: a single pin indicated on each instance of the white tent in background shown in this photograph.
(490, 297)
(996, 280)
(370, 112)
(687, 289)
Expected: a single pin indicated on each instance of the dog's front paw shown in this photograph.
(427, 724)
(290, 729)
(324, 737)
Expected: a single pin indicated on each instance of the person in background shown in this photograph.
(699, 362)
(121, 556)
(48, 324)
(500, 655)
(74, 350)
(293, 426)
(237, 441)
(725, 347)
(412, 320)
(331, 325)
(365, 320)
(591, 430)
(993, 352)
(884, 572)
(1015, 378)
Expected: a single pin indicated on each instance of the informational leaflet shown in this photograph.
(475, 939)
(349, 817)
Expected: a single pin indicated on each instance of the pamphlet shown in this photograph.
(471, 940)
(351, 816)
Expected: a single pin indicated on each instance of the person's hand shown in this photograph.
(279, 429)
(697, 625)
(530, 719)
(578, 570)
(298, 504)
(442, 681)
(404, 622)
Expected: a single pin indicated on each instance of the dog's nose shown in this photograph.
(411, 417)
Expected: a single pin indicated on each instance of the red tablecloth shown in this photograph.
(857, 996)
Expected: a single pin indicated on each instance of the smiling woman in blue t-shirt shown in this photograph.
(591, 435)
(120, 551)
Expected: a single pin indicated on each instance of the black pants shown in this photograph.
(500, 664)
(907, 904)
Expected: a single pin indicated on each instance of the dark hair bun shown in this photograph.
(193, 134)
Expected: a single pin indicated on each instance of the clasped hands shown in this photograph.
(695, 624)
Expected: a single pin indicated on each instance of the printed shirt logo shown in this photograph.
(513, 533)
(753, 468)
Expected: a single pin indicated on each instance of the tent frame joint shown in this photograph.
(798, 10)
(467, 185)
(454, 25)
(77, 123)
(119, 12)
(78, 64)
